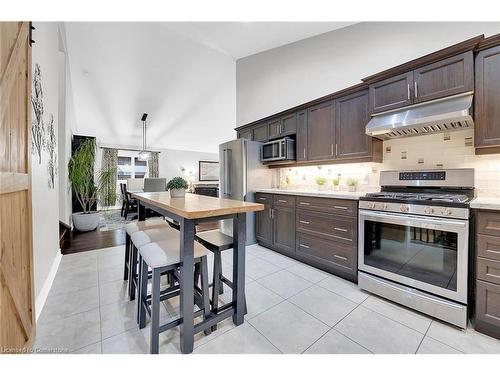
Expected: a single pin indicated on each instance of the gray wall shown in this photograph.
(284, 77)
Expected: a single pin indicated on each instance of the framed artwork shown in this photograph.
(208, 170)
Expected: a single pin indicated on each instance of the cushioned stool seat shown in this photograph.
(142, 225)
(165, 253)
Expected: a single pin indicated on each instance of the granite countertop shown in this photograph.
(316, 193)
(486, 203)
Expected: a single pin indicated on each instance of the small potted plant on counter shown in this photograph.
(336, 183)
(177, 187)
(321, 181)
(352, 184)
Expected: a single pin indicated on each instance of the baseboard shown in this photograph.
(44, 292)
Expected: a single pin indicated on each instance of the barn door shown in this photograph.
(17, 319)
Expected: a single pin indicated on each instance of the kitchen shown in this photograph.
(421, 229)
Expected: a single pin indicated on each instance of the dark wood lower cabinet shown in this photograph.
(487, 319)
(321, 232)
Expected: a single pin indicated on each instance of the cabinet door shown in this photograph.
(260, 133)
(247, 134)
(447, 77)
(391, 93)
(351, 117)
(274, 128)
(288, 124)
(301, 143)
(263, 221)
(284, 228)
(488, 303)
(487, 99)
(321, 132)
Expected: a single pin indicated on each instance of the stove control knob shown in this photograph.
(404, 208)
(383, 206)
(371, 205)
(428, 210)
(445, 211)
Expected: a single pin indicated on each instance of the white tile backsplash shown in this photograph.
(433, 149)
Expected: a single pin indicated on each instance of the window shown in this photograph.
(131, 167)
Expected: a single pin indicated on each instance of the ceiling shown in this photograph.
(240, 39)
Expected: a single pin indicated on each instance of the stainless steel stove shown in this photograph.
(414, 241)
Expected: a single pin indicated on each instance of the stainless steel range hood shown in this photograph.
(442, 115)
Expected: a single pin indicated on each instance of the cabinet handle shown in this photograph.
(262, 199)
(304, 152)
(305, 203)
(415, 85)
(408, 93)
(270, 213)
(340, 229)
(280, 128)
(304, 222)
(305, 246)
(340, 257)
(336, 149)
(331, 149)
(282, 201)
(340, 207)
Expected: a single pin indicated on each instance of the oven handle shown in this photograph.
(429, 223)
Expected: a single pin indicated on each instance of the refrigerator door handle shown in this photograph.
(227, 171)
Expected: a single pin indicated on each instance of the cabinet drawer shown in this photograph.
(332, 226)
(488, 270)
(284, 200)
(329, 205)
(327, 252)
(264, 198)
(488, 302)
(488, 222)
(488, 247)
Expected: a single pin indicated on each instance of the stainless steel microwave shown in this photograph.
(279, 149)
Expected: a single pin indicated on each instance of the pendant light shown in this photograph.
(144, 154)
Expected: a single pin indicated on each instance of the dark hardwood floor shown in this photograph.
(96, 239)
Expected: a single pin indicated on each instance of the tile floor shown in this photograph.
(292, 308)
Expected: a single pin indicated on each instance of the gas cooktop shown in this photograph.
(420, 197)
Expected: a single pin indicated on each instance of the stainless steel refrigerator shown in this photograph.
(241, 173)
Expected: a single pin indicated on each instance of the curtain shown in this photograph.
(153, 165)
(109, 164)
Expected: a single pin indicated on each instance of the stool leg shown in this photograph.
(218, 259)
(142, 294)
(155, 313)
(205, 291)
(127, 257)
(132, 278)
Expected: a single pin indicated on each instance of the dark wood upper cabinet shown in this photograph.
(393, 92)
(247, 134)
(351, 117)
(283, 126)
(260, 133)
(447, 77)
(284, 228)
(487, 100)
(301, 142)
(321, 132)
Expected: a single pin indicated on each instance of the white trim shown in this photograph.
(44, 292)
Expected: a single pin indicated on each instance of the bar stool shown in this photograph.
(164, 257)
(132, 228)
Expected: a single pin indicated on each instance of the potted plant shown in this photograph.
(177, 187)
(86, 190)
(336, 183)
(352, 184)
(321, 181)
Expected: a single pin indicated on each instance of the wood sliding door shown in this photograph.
(17, 318)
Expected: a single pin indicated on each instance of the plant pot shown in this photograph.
(351, 188)
(86, 222)
(336, 187)
(321, 187)
(177, 193)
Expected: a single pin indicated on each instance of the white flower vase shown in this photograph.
(177, 193)
(351, 188)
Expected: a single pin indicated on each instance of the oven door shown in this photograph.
(272, 151)
(430, 254)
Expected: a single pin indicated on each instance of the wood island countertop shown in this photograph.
(195, 206)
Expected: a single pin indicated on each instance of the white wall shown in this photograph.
(287, 76)
(120, 70)
(45, 200)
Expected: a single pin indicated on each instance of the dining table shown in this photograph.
(190, 211)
